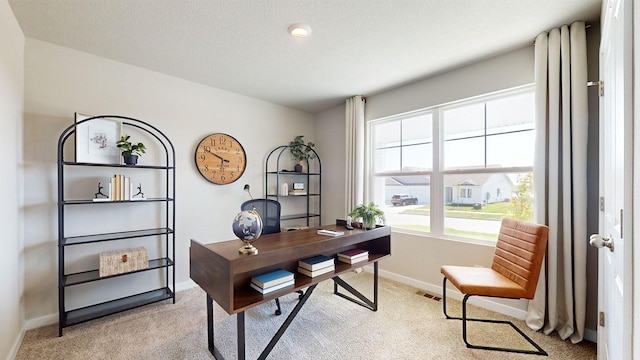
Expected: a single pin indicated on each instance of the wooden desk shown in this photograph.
(225, 274)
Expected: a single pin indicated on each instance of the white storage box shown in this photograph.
(123, 261)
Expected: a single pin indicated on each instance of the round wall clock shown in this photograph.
(220, 158)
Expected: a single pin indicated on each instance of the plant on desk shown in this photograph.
(370, 215)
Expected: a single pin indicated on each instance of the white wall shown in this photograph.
(416, 260)
(11, 100)
(60, 81)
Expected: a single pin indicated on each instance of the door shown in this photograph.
(615, 221)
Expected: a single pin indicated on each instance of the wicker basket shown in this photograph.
(123, 261)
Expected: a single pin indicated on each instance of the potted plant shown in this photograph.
(301, 152)
(370, 215)
(130, 151)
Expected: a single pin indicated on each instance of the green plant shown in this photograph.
(301, 151)
(127, 148)
(369, 214)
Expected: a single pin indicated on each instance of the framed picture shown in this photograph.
(96, 140)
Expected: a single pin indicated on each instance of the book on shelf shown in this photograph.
(297, 192)
(330, 232)
(274, 287)
(316, 262)
(354, 260)
(316, 272)
(272, 278)
(349, 254)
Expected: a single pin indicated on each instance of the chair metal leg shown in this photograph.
(538, 351)
(279, 309)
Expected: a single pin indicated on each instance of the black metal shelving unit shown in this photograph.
(165, 291)
(276, 175)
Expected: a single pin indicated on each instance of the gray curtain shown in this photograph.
(355, 182)
(560, 172)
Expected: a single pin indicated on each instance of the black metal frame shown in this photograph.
(464, 319)
(76, 316)
(371, 305)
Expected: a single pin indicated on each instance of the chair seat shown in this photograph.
(482, 281)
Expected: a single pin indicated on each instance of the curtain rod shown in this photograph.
(586, 26)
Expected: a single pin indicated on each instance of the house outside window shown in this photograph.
(461, 167)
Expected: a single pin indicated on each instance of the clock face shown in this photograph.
(220, 158)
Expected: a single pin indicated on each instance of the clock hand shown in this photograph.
(216, 155)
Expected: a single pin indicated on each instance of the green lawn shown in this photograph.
(495, 211)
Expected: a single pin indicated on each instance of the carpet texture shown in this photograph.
(406, 326)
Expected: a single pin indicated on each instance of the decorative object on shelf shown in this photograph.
(123, 261)
(139, 194)
(298, 186)
(220, 158)
(130, 151)
(96, 140)
(301, 152)
(369, 214)
(284, 189)
(99, 193)
(247, 226)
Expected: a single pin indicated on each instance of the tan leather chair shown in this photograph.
(514, 274)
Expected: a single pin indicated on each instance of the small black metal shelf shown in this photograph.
(298, 216)
(276, 176)
(164, 210)
(87, 239)
(92, 312)
(94, 275)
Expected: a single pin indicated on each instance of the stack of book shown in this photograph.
(353, 256)
(316, 265)
(297, 192)
(272, 281)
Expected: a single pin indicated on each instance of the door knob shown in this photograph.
(598, 241)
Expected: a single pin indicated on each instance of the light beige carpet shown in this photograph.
(406, 326)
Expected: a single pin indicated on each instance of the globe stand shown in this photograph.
(248, 249)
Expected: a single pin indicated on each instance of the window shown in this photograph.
(457, 169)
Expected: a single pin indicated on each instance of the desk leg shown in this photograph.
(212, 348)
(364, 301)
(241, 343)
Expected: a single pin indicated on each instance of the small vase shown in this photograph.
(298, 167)
(130, 160)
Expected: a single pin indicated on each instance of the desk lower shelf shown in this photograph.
(246, 297)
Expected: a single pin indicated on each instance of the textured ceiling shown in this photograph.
(356, 46)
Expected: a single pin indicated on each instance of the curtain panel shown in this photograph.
(355, 151)
(560, 173)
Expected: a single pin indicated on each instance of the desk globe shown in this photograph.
(247, 226)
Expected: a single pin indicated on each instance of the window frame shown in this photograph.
(438, 172)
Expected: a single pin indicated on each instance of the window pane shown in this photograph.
(387, 160)
(417, 157)
(417, 129)
(406, 201)
(386, 134)
(464, 153)
(511, 149)
(476, 203)
(463, 121)
(510, 113)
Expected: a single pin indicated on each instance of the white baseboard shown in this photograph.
(486, 303)
(16, 345)
(53, 318)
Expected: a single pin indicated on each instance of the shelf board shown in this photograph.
(87, 239)
(291, 173)
(111, 307)
(300, 196)
(298, 216)
(162, 167)
(94, 275)
(84, 202)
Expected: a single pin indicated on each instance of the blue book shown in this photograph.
(316, 262)
(272, 278)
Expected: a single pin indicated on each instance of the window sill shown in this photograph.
(422, 234)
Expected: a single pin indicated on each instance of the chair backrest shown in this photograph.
(519, 253)
(269, 211)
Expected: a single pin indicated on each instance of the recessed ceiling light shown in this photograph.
(299, 31)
